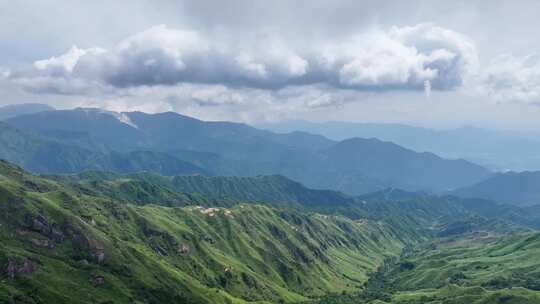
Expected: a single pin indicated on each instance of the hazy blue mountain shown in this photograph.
(501, 150)
(224, 148)
(522, 189)
(93, 125)
(48, 156)
(10, 111)
(136, 161)
(399, 167)
(338, 130)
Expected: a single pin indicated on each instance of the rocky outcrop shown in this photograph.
(209, 239)
(97, 280)
(37, 187)
(44, 243)
(16, 267)
(158, 249)
(41, 225)
(98, 254)
(184, 248)
(90, 246)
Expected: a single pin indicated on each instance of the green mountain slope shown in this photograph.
(480, 267)
(395, 204)
(276, 190)
(408, 210)
(102, 237)
(60, 245)
(467, 261)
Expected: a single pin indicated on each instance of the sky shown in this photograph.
(439, 64)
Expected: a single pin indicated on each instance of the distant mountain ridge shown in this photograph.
(521, 189)
(273, 189)
(401, 167)
(43, 155)
(10, 111)
(354, 166)
(277, 191)
(500, 150)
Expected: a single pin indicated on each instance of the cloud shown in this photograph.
(64, 64)
(57, 75)
(512, 79)
(402, 58)
(427, 88)
(4, 72)
(207, 96)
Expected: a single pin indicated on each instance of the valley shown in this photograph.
(105, 207)
(477, 268)
(94, 239)
(269, 152)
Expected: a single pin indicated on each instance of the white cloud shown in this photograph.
(402, 58)
(4, 72)
(427, 88)
(216, 95)
(66, 62)
(512, 79)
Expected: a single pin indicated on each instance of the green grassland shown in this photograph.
(64, 246)
(475, 268)
(103, 238)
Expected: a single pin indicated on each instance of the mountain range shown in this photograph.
(496, 149)
(155, 208)
(10, 111)
(43, 155)
(108, 237)
(353, 166)
(516, 188)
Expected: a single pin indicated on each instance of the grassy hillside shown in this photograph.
(414, 212)
(60, 245)
(101, 237)
(276, 190)
(481, 267)
(471, 261)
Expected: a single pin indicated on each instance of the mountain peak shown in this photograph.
(14, 110)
